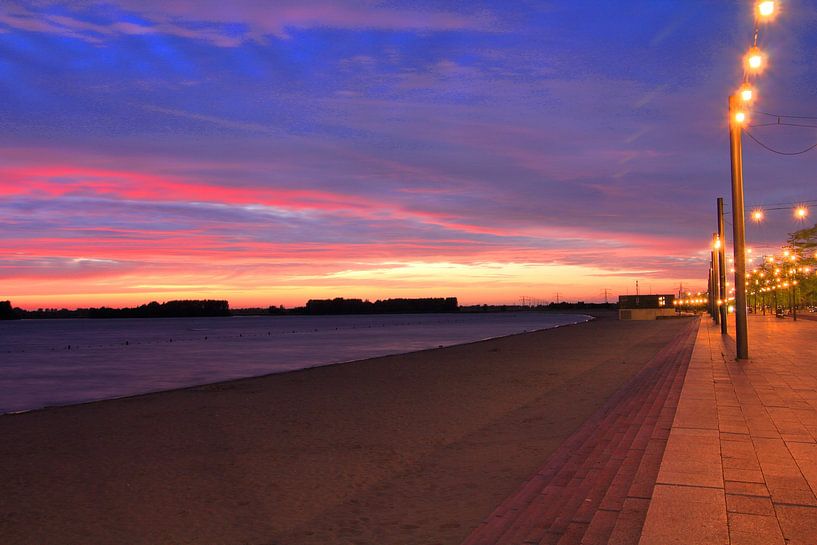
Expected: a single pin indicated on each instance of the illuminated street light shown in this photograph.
(747, 94)
(801, 212)
(765, 9)
(758, 215)
(755, 59)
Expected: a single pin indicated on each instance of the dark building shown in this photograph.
(645, 307)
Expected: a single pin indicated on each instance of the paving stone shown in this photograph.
(686, 515)
(752, 505)
(693, 458)
(750, 529)
(627, 530)
(798, 523)
(805, 455)
(744, 475)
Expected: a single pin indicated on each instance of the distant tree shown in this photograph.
(340, 305)
(803, 244)
(7, 312)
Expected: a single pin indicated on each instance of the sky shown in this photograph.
(269, 152)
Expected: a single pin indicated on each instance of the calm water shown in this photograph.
(57, 362)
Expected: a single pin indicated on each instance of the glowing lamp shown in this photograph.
(755, 60)
(766, 8)
(740, 118)
(800, 212)
(758, 215)
(746, 93)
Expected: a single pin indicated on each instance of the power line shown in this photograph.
(778, 151)
(782, 115)
(776, 205)
(779, 123)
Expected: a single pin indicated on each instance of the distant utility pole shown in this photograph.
(557, 297)
(636, 287)
(606, 295)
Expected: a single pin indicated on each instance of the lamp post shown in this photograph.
(736, 118)
(716, 282)
(722, 265)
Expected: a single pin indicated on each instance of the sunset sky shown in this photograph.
(268, 152)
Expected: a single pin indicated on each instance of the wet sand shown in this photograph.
(409, 449)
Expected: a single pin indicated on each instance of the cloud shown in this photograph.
(230, 24)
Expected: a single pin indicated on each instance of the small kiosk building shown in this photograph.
(645, 307)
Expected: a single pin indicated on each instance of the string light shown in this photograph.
(801, 212)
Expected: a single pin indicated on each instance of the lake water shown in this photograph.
(58, 362)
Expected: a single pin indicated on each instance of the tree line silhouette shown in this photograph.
(339, 305)
(169, 309)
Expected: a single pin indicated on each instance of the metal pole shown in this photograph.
(709, 286)
(739, 233)
(722, 263)
(716, 313)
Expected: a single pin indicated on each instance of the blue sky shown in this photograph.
(269, 152)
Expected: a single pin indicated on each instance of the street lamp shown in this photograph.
(747, 93)
(755, 60)
(738, 225)
(766, 9)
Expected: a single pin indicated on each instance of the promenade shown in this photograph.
(698, 449)
(740, 466)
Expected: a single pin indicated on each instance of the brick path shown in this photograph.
(716, 452)
(596, 488)
(740, 466)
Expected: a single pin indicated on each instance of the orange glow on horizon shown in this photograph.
(116, 263)
(482, 283)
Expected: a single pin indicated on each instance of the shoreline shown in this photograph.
(589, 317)
(411, 449)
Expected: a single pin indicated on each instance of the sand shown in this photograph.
(409, 449)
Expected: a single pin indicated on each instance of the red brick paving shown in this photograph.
(716, 452)
(596, 488)
(750, 427)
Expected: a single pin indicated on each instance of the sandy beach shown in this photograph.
(409, 449)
